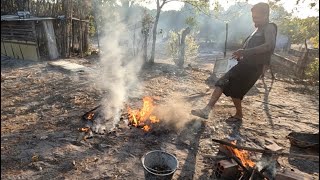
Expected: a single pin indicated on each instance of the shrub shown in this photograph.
(312, 71)
(173, 45)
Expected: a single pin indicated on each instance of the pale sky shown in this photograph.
(303, 9)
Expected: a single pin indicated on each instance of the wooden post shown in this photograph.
(225, 43)
(36, 39)
(69, 26)
(81, 40)
(67, 9)
(74, 36)
(97, 28)
(70, 34)
(86, 37)
(95, 22)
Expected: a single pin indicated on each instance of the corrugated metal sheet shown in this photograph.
(16, 18)
(20, 49)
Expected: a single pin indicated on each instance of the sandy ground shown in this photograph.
(41, 109)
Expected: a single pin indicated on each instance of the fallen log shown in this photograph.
(85, 116)
(301, 156)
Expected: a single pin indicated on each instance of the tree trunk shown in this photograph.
(288, 46)
(81, 40)
(134, 41)
(225, 43)
(86, 37)
(97, 31)
(182, 46)
(303, 61)
(73, 35)
(154, 34)
(67, 27)
(145, 47)
(63, 29)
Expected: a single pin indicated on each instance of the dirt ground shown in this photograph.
(41, 109)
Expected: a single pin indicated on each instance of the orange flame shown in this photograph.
(242, 155)
(84, 129)
(90, 116)
(146, 128)
(154, 119)
(143, 117)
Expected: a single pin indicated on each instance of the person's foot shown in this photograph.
(234, 118)
(203, 113)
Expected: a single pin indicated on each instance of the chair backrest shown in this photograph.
(221, 66)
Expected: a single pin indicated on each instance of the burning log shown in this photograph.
(247, 168)
(85, 133)
(95, 112)
(90, 115)
(85, 129)
(240, 156)
(301, 156)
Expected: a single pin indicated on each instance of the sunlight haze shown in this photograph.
(303, 10)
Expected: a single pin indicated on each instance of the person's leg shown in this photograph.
(214, 97)
(265, 67)
(272, 75)
(204, 113)
(237, 104)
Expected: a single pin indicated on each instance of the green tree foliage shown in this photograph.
(191, 22)
(192, 46)
(92, 27)
(174, 42)
(312, 71)
(315, 41)
(202, 5)
(301, 29)
(296, 28)
(147, 21)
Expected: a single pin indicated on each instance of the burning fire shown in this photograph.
(84, 129)
(242, 155)
(143, 118)
(90, 116)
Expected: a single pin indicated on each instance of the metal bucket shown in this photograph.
(159, 165)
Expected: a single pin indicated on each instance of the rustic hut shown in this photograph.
(28, 38)
(44, 29)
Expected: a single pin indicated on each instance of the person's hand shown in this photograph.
(238, 54)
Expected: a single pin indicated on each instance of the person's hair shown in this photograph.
(261, 8)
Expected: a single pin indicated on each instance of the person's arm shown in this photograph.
(270, 41)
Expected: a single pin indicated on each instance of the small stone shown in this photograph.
(104, 145)
(35, 158)
(43, 137)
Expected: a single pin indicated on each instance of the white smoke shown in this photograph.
(118, 73)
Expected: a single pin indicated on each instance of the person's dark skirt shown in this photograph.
(240, 79)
